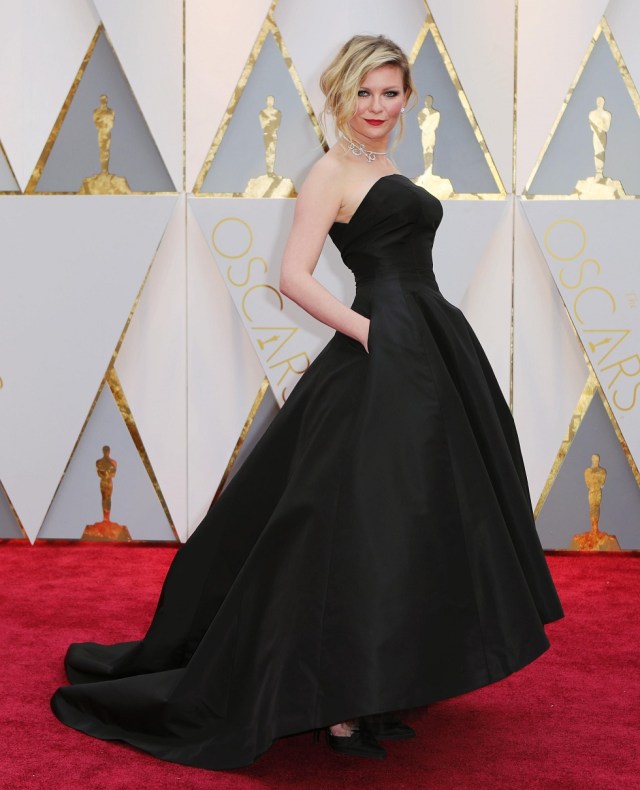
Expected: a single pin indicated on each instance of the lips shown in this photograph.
(374, 121)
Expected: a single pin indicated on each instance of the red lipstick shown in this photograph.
(374, 121)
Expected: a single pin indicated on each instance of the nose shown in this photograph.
(376, 106)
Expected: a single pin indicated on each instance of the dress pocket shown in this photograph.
(349, 342)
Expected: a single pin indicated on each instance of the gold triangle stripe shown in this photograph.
(243, 435)
(614, 422)
(16, 191)
(46, 151)
(115, 386)
(584, 401)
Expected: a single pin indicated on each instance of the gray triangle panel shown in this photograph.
(241, 153)
(570, 155)
(566, 510)
(78, 501)
(8, 181)
(9, 527)
(133, 152)
(457, 154)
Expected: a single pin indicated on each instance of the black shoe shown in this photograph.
(387, 727)
(360, 743)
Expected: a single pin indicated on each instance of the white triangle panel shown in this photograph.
(224, 374)
(549, 368)
(219, 39)
(590, 249)
(314, 37)
(71, 268)
(247, 239)
(462, 238)
(623, 17)
(152, 368)
(42, 46)
(487, 300)
(552, 41)
(147, 37)
(479, 37)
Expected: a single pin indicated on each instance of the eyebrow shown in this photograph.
(395, 86)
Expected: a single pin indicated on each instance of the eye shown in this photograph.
(391, 94)
(363, 92)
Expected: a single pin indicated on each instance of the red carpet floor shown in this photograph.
(570, 720)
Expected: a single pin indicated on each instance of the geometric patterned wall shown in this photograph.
(148, 318)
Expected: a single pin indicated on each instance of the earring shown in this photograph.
(402, 110)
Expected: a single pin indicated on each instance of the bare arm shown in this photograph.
(316, 209)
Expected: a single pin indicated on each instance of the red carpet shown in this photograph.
(571, 720)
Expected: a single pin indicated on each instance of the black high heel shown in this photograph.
(361, 743)
(387, 727)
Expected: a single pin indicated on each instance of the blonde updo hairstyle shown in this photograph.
(341, 80)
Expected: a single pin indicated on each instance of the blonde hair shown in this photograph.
(342, 79)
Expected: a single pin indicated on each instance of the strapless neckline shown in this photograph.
(368, 193)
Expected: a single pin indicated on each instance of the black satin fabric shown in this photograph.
(376, 551)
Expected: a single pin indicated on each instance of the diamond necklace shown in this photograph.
(358, 149)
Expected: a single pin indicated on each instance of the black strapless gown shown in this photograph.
(376, 552)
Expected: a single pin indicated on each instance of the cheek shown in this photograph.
(360, 108)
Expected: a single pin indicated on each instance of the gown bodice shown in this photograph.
(378, 243)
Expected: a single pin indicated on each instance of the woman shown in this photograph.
(377, 550)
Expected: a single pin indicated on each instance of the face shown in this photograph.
(380, 99)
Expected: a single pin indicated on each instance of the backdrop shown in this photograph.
(150, 152)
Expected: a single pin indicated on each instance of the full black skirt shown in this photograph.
(376, 552)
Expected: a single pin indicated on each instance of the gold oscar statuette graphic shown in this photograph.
(270, 184)
(595, 477)
(106, 468)
(428, 121)
(104, 182)
(599, 187)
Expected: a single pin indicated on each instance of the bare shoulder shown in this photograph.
(326, 175)
(322, 191)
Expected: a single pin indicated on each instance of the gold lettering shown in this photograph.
(592, 346)
(586, 290)
(583, 243)
(621, 368)
(263, 343)
(291, 330)
(216, 244)
(244, 282)
(582, 268)
(633, 402)
(290, 368)
(255, 288)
